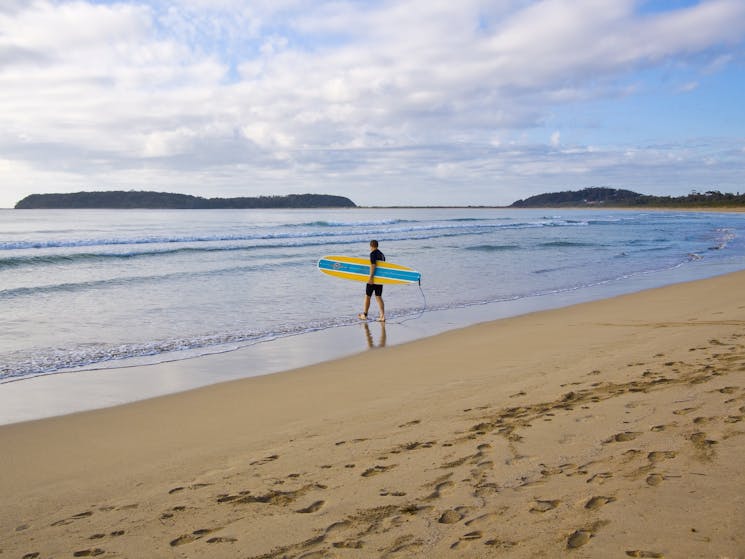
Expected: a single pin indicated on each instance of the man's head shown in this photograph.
(373, 244)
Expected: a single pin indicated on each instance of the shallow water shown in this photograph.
(107, 288)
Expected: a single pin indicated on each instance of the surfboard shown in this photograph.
(358, 269)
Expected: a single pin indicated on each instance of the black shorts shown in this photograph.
(373, 287)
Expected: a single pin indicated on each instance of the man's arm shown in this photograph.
(371, 279)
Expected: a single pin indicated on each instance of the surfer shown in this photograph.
(372, 287)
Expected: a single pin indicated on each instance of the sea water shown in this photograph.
(93, 289)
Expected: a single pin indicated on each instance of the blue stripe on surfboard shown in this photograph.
(344, 267)
(359, 269)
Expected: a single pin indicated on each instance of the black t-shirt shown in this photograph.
(375, 256)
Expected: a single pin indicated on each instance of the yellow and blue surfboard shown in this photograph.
(358, 269)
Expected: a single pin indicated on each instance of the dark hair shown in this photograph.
(374, 243)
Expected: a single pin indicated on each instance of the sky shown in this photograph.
(400, 102)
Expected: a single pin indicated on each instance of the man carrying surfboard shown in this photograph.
(372, 287)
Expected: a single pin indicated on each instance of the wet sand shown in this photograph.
(606, 429)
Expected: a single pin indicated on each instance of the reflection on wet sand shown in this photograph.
(368, 335)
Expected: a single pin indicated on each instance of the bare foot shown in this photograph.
(362, 316)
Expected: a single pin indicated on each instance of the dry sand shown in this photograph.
(608, 429)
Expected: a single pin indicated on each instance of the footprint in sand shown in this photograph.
(684, 411)
(263, 461)
(414, 446)
(703, 445)
(600, 477)
(338, 527)
(655, 479)
(466, 539)
(578, 538)
(102, 536)
(168, 514)
(660, 455)
(348, 544)
(89, 553)
(375, 470)
(487, 519)
(599, 501)
(450, 517)
(659, 428)
(641, 553)
(544, 505)
(622, 437)
(455, 463)
(405, 546)
(505, 544)
(222, 540)
(630, 454)
(281, 498)
(485, 465)
(73, 518)
(569, 469)
(441, 489)
(531, 483)
(188, 538)
(314, 507)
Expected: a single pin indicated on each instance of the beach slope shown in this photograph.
(608, 429)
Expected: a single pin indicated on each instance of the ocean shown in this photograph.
(103, 289)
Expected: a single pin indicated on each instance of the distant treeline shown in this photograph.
(613, 197)
(162, 200)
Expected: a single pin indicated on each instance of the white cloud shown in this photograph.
(718, 64)
(292, 94)
(690, 86)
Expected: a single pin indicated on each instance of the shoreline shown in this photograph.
(113, 384)
(555, 432)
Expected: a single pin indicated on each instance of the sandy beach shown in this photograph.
(606, 429)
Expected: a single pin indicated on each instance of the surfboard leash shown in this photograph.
(423, 309)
